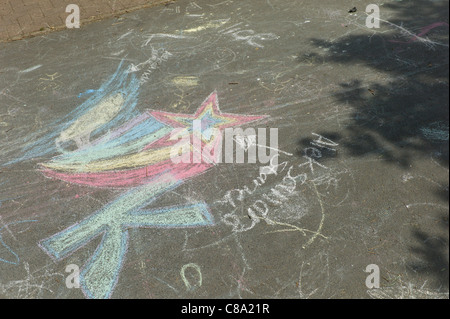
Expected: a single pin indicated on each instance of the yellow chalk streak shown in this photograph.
(185, 81)
(101, 114)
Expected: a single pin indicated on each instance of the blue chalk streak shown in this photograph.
(88, 92)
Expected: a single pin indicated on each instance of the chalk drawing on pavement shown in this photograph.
(293, 176)
(136, 156)
(43, 142)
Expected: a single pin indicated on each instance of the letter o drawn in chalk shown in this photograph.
(186, 282)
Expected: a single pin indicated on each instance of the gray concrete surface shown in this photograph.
(362, 119)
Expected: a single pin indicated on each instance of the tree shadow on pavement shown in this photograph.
(432, 253)
(400, 111)
(408, 113)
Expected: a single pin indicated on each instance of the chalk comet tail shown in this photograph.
(98, 116)
(130, 138)
(121, 162)
(119, 92)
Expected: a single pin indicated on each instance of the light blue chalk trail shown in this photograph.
(100, 274)
(43, 142)
(87, 92)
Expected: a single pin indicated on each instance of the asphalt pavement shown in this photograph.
(352, 204)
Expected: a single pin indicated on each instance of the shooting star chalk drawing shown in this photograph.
(140, 149)
(136, 156)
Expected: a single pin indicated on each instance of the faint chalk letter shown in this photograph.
(373, 280)
(73, 280)
(73, 19)
(186, 282)
(373, 18)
